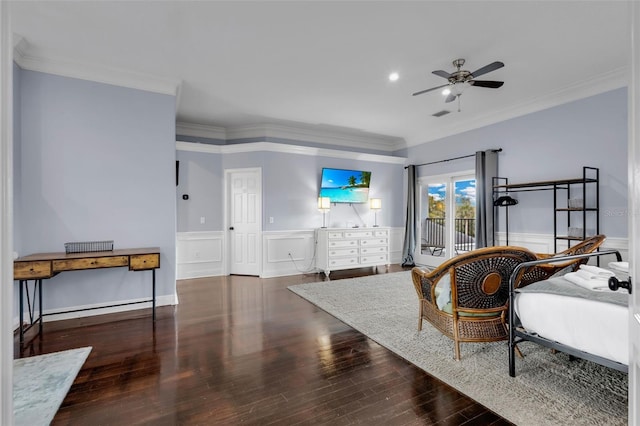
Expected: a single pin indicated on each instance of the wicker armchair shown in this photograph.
(479, 292)
(542, 272)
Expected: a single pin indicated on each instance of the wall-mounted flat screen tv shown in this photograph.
(345, 186)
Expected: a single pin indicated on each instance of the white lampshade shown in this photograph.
(458, 88)
(324, 203)
(375, 203)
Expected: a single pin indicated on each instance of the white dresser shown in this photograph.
(346, 248)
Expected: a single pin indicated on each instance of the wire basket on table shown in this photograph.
(88, 246)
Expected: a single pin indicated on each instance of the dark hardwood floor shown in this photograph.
(244, 350)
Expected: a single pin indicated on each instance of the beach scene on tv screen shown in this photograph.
(345, 186)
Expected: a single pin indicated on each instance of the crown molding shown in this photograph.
(323, 134)
(286, 149)
(603, 83)
(201, 131)
(92, 72)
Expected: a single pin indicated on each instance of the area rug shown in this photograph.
(40, 384)
(549, 389)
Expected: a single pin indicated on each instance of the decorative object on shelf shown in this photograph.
(88, 246)
(375, 204)
(324, 205)
(505, 200)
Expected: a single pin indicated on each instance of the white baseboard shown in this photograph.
(97, 309)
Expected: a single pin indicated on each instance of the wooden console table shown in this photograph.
(41, 266)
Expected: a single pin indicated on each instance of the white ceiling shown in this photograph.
(325, 64)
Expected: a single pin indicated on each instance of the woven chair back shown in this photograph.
(482, 280)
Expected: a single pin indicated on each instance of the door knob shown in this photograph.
(615, 284)
(231, 228)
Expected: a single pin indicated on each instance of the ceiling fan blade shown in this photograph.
(429, 90)
(486, 83)
(441, 73)
(450, 98)
(487, 68)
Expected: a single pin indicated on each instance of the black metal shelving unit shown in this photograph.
(566, 208)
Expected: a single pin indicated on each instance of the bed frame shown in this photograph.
(518, 334)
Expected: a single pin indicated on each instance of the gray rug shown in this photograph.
(40, 384)
(548, 388)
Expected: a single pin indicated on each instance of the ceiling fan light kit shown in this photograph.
(459, 80)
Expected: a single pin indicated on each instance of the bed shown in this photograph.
(561, 315)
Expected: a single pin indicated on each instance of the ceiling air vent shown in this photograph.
(441, 113)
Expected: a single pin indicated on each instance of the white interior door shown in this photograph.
(634, 222)
(244, 219)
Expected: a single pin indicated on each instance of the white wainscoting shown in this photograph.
(288, 253)
(395, 245)
(200, 254)
(543, 243)
(291, 252)
(294, 252)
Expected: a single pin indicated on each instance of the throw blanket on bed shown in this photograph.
(562, 287)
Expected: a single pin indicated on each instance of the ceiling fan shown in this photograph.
(460, 79)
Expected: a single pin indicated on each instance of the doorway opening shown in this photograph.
(447, 217)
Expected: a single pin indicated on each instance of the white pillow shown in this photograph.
(443, 291)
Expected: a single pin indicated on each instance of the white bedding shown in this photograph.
(590, 326)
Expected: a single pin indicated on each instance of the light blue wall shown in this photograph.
(290, 185)
(201, 177)
(551, 144)
(97, 163)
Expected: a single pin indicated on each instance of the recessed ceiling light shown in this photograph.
(394, 76)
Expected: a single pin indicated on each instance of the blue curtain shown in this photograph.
(486, 170)
(410, 232)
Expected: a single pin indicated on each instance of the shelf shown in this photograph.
(564, 237)
(547, 184)
(575, 209)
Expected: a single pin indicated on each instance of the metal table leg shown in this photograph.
(153, 272)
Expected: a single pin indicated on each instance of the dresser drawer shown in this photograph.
(141, 262)
(343, 252)
(32, 270)
(358, 234)
(374, 242)
(343, 243)
(90, 263)
(373, 250)
(336, 235)
(343, 261)
(381, 233)
(374, 259)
